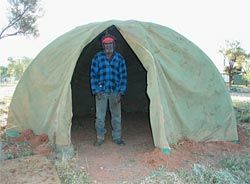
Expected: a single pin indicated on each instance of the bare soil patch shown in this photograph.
(33, 169)
(110, 163)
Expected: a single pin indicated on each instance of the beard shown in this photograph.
(109, 51)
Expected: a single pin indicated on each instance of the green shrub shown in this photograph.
(201, 174)
(234, 170)
(242, 111)
(239, 166)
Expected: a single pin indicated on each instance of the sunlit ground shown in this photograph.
(233, 169)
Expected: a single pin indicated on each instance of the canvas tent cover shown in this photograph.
(188, 97)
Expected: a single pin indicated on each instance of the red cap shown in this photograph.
(108, 40)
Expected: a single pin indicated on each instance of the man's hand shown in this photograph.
(119, 98)
(98, 96)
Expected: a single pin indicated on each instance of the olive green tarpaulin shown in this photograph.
(187, 95)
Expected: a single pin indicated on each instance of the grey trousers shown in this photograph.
(102, 100)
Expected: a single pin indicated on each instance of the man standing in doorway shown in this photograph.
(108, 84)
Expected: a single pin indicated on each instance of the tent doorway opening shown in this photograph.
(135, 104)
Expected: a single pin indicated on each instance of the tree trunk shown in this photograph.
(230, 72)
(230, 77)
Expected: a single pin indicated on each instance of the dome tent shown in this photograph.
(187, 95)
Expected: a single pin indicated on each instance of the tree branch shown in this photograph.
(12, 34)
(12, 22)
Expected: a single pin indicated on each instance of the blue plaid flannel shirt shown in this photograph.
(108, 76)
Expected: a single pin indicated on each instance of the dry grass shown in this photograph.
(234, 170)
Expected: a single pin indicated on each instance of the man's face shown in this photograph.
(108, 48)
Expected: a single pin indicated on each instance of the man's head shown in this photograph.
(108, 44)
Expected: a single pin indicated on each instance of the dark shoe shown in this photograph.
(119, 142)
(98, 142)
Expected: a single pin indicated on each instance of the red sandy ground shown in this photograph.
(30, 170)
(110, 163)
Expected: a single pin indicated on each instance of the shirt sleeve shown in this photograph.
(123, 77)
(94, 75)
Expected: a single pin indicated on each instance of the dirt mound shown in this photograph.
(25, 144)
(187, 152)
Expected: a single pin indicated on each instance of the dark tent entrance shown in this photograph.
(135, 104)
